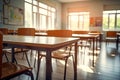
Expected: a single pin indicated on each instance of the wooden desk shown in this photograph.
(117, 41)
(88, 36)
(100, 37)
(12, 32)
(41, 34)
(41, 43)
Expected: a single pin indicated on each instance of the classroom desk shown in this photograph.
(41, 43)
(100, 37)
(117, 41)
(88, 36)
(41, 34)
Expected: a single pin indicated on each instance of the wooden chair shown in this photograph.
(94, 31)
(99, 39)
(27, 32)
(4, 30)
(10, 70)
(61, 54)
(110, 36)
(83, 44)
(60, 33)
(80, 32)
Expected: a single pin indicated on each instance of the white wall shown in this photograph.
(15, 3)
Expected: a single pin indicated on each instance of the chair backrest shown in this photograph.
(59, 33)
(1, 38)
(80, 32)
(26, 31)
(4, 30)
(111, 33)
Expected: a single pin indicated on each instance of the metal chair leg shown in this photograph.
(65, 68)
(27, 59)
(38, 66)
(6, 57)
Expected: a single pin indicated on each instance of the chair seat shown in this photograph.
(57, 54)
(60, 54)
(17, 50)
(11, 69)
(111, 38)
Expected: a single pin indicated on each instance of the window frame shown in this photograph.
(50, 10)
(81, 26)
(115, 27)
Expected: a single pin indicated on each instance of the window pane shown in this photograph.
(81, 20)
(118, 11)
(112, 21)
(39, 15)
(34, 2)
(43, 23)
(53, 9)
(43, 11)
(34, 8)
(28, 15)
(86, 22)
(29, 1)
(118, 21)
(112, 11)
(105, 21)
(43, 5)
(78, 21)
(35, 20)
(53, 21)
(73, 22)
(49, 23)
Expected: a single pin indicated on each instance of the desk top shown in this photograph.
(118, 34)
(37, 41)
(41, 34)
(85, 35)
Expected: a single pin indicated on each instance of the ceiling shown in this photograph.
(71, 0)
(65, 1)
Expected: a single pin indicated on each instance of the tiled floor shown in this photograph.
(107, 66)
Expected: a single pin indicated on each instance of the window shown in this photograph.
(39, 15)
(111, 19)
(78, 20)
(28, 15)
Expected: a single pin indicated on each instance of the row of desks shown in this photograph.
(48, 44)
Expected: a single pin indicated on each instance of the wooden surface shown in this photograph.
(41, 43)
(26, 31)
(38, 42)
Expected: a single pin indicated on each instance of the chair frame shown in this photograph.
(6, 75)
(110, 35)
(57, 33)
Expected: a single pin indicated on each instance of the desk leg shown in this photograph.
(48, 66)
(75, 66)
(117, 41)
(38, 65)
(13, 56)
(93, 51)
